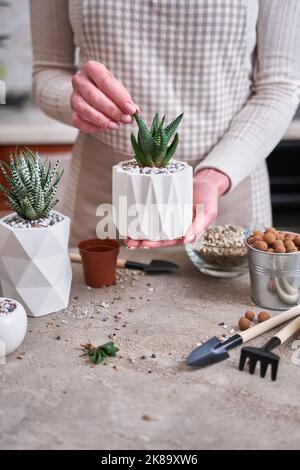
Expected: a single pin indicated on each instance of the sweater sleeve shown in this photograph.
(262, 122)
(53, 57)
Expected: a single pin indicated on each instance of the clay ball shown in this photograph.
(280, 236)
(263, 316)
(290, 236)
(260, 245)
(297, 240)
(244, 324)
(258, 234)
(256, 238)
(290, 246)
(292, 249)
(280, 248)
(269, 238)
(273, 241)
(250, 315)
(271, 230)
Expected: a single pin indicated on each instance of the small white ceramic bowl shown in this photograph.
(13, 325)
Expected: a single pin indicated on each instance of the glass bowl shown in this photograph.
(220, 257)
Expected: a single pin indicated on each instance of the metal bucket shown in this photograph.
(275, 278)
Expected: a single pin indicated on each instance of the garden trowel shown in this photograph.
(155, 266)
(214, 350)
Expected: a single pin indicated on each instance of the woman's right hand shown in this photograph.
(99, 101)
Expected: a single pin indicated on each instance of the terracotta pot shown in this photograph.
(99, 259)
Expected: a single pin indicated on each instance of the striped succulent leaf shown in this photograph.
(152, 148)
(31, 184)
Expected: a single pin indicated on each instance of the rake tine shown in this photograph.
(242, 360)
(252, 365)
(274, 371)
(263, 369)
(264, 354)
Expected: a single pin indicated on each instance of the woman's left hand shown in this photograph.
(209, 185)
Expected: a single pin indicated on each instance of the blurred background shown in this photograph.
(22, 123)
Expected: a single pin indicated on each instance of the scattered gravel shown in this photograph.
(16, 221)
(133, 168)
(7, 306)
(104, 305)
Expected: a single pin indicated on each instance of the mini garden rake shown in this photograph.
(264, 354)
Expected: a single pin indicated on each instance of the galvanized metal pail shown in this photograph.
(275, 278)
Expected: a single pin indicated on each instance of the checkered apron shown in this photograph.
(173, 56)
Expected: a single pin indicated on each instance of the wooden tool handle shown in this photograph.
(76, 258)
(289, 330)
(121, 263)
(269, 324)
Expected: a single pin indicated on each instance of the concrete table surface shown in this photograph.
(51, 398)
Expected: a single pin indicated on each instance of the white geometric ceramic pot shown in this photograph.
(13, 325)
(152, 206)
(35, 267)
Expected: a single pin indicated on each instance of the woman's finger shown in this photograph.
(98, 100)
(161, 244)
(204, 216)
(197, 227)
(110, 86)
(88, 113)
(83, 125)
(132, 244)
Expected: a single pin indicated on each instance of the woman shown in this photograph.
(232, 67)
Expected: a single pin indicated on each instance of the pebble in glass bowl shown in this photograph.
(13, 325)
(221, 252)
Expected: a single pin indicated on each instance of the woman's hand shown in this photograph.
(99, 101)
(209, 185)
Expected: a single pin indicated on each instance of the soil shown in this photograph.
(16, 221)
(133, 167)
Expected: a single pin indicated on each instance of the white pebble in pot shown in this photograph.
(13, 325)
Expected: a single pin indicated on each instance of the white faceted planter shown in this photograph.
(13, 327)
(35, 266)
(152, 206)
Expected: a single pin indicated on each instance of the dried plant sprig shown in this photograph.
(152, 148)
(32, 184)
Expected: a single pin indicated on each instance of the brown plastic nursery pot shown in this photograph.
(99, 259)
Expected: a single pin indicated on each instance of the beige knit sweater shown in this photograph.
(252, 122)
(232, 66)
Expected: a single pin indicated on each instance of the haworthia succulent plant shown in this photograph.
(152, 148)
(32, 184)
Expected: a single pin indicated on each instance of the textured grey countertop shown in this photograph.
(51, 398)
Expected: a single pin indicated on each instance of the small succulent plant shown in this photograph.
(152, 148)
(32, 184)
